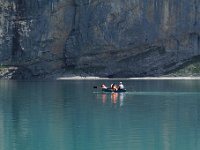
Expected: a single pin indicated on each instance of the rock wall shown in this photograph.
(134, 37)
(114, 38)
(34, 32)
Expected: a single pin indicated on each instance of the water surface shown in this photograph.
(61, 115)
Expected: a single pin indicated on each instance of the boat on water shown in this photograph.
(111, 90)
(114, 88)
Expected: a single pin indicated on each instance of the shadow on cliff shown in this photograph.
(22, 74)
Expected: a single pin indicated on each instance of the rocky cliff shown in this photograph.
(113, 38)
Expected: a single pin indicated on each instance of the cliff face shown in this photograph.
(115, 38)
(33, 33)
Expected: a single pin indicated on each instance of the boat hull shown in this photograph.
(111, 90)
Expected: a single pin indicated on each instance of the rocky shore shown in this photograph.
(189, 72)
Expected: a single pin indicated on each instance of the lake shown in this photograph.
(72, 115)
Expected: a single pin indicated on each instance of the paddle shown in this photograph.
(95, 87)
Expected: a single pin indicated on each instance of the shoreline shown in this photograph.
(133, 78)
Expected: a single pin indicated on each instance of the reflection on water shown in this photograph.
(113, 97)
(104, 98)
(52, 116)
(121, 99)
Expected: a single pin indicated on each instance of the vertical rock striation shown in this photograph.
(114, 38)
(134, 37)
(33, 33)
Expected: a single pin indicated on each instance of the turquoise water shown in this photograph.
(72, 115)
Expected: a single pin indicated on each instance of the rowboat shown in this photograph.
(111, 90)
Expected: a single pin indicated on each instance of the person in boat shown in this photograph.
(103, 86)
(121, 86)
(111, 85)
(114, 87)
